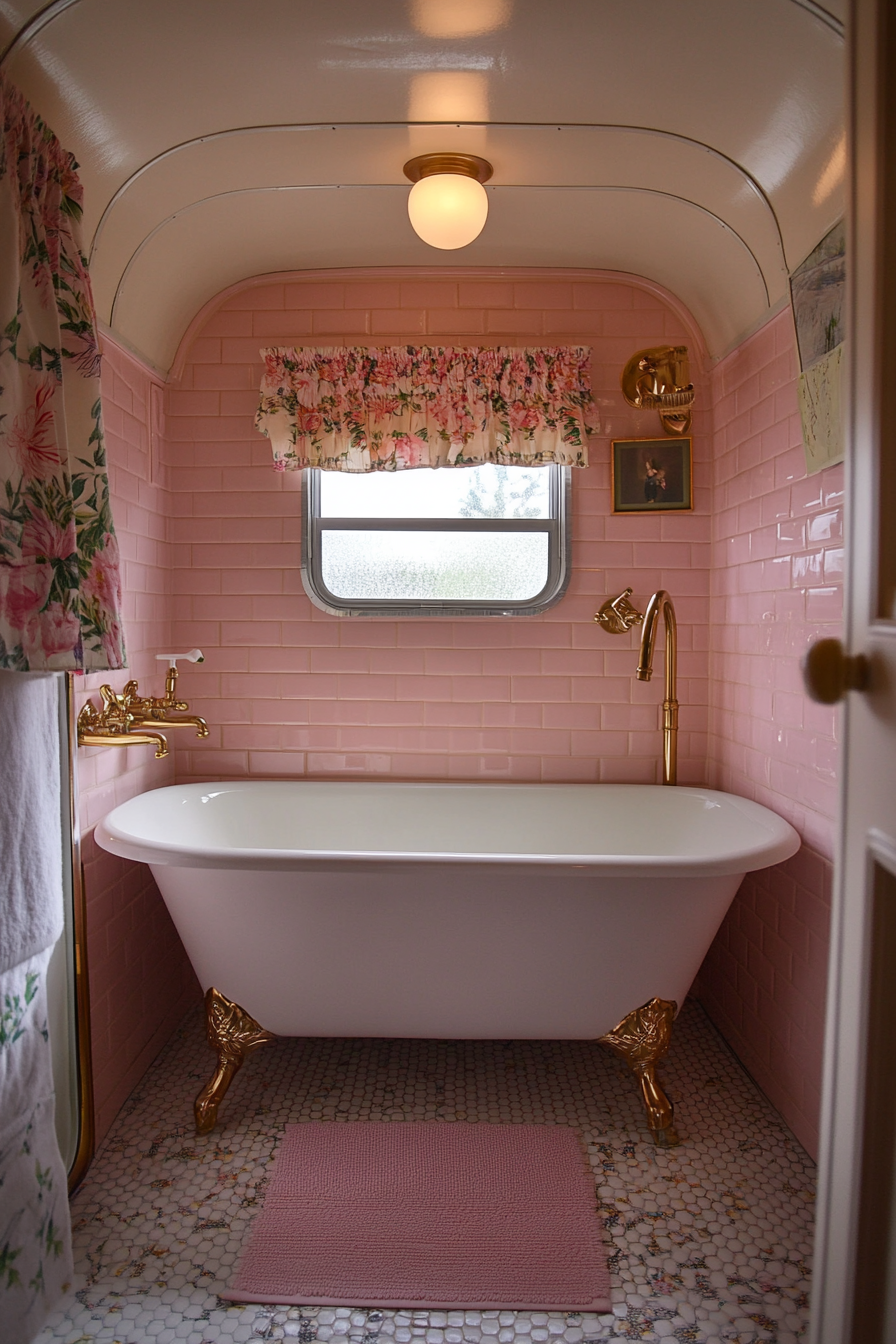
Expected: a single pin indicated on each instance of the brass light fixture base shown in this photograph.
(641, 1039)
(234, 1035)
(462, 165)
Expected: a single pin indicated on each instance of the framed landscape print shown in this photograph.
(651, 475)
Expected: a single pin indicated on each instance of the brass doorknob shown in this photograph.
(829, 671)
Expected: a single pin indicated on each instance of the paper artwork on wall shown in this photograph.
(818, 392)
(817, 289)
(817, 293)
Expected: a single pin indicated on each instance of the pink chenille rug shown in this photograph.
(427, 1215)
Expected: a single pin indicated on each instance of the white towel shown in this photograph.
(31, 910)
(35, 1226)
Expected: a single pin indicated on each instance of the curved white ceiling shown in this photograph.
(700, 145)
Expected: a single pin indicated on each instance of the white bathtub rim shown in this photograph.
(781, 843)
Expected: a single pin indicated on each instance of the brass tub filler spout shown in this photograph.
(661, 602)
(617, 616)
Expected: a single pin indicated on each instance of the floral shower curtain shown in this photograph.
(60, 590)
(360, 410)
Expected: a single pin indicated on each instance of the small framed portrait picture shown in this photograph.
(651, 475)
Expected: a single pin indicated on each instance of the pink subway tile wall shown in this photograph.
(210, 539)
(777, 558)
(140, 979)
(290, 690)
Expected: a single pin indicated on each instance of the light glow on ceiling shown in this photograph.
(459, 18)
(448, 96)
(832, 177)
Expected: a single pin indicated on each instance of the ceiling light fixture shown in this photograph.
(448, 205)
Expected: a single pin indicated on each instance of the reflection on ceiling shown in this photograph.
(701, 145)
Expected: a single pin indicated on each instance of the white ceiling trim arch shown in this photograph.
(696, 342)
(324, 126)
(819, 12)
(657, 163)
(257, 233)
(33, 26)
(45, 15)
(76, 69)
(745, 155)
(388, 187)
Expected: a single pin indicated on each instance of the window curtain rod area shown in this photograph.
(362, 409)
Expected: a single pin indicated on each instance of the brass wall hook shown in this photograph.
(617, 615)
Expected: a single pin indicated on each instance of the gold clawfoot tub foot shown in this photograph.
(642, 1038)
(234, 1035)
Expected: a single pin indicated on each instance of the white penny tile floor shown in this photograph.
(710, 1241)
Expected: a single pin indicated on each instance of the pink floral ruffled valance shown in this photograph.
(363, 409)
(60, 590)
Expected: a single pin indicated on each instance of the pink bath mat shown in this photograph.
(427, 1215)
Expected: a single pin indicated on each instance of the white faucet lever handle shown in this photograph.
(194, 656)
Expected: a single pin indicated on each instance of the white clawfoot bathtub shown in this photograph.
(443, 910)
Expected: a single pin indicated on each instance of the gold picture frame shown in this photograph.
(652, 475)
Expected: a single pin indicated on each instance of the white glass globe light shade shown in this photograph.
(447, 210)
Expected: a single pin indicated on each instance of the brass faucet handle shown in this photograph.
(148, 706)
(617, 615)
(88, 717)
(133, 701)
(115, 715)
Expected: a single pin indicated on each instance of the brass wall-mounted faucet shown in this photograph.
(617, 615)
(662, 602)
(112, 725)
(129, 719)
(147, 711)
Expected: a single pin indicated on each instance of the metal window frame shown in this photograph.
(557, 527)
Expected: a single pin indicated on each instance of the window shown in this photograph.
(485, 541)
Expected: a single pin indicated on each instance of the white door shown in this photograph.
(854, 1297)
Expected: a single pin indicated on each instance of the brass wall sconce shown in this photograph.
(659, 379)
(129, 719)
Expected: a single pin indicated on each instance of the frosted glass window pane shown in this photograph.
(459, 492)
(434, 566)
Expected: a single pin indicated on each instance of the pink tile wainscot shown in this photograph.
(777, 545)
(140, 980)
